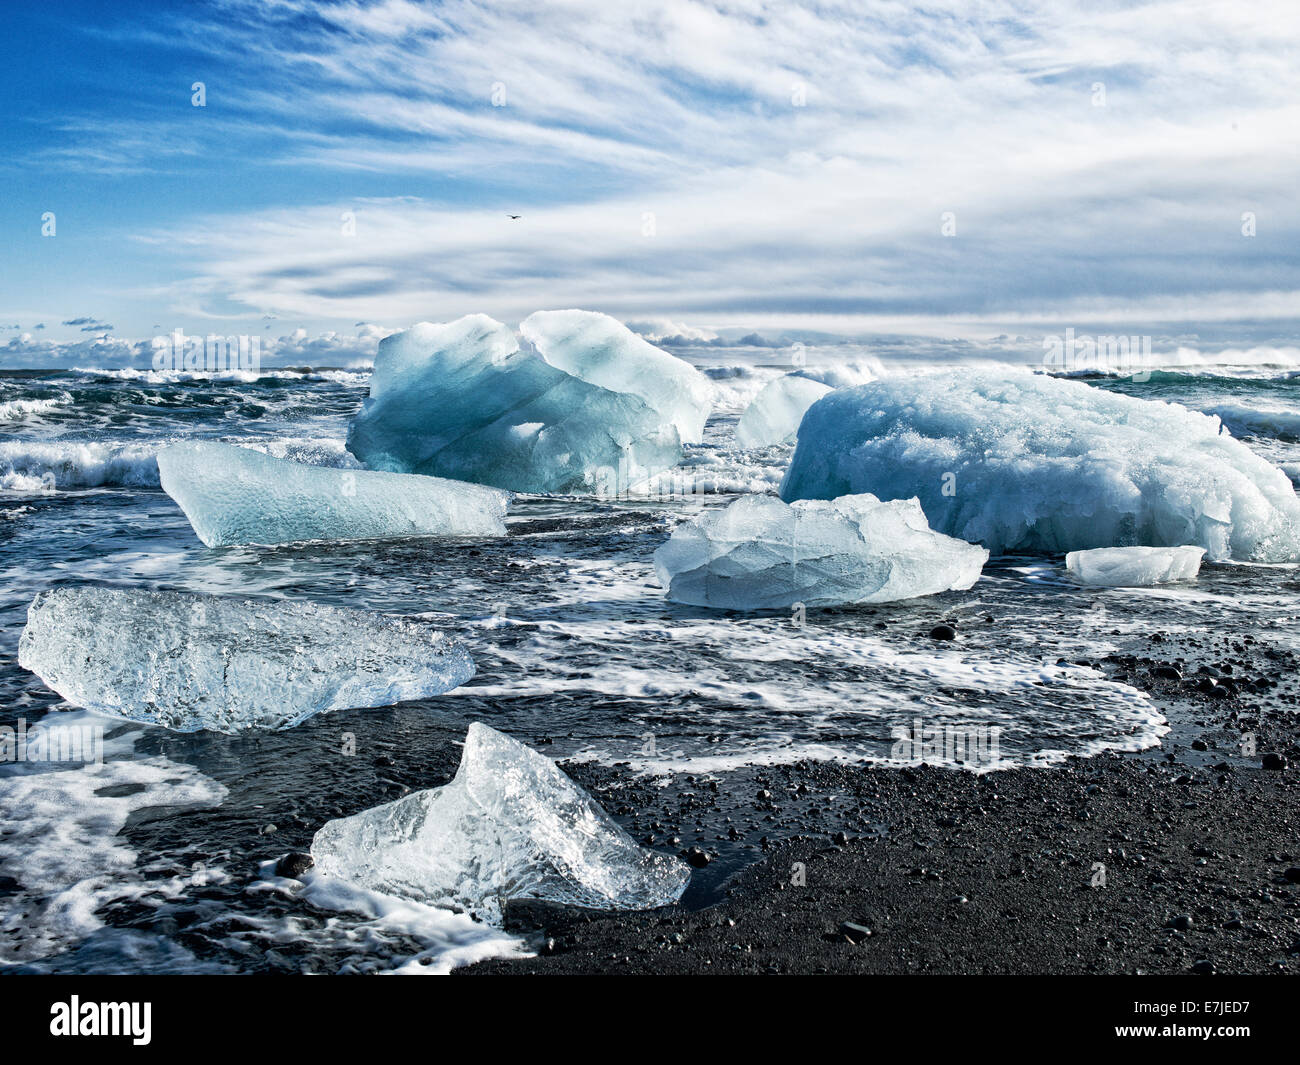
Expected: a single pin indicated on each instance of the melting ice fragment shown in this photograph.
(233, 495)
(760, 554)
(594, 408)
(510, 825)
(774, 415)
(603, 351)
(190, 662)
(1025, 462)
(1134, 567)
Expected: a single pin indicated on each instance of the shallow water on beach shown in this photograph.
(573, 641)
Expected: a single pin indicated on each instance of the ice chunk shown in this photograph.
(1134, 567)
(603, 351)
(509, 826)
(1025, 462)
(759, 554)
(236, 496)
(774, 416)
(461, 400)
(190, 662)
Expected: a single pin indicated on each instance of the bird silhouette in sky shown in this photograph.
(513, 216)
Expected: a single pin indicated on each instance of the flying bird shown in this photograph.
(513, 216)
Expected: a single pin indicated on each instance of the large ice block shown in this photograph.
(510, 825)
(761, 554)
(190, 662)
(1134, 567)
(461, 400)
(603, 351)
(774, 415)
(233, 495)
(1023, 462)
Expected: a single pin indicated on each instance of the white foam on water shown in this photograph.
(13, 410)
(35, 466)
(377, 928)
(357, 376)
(60, 842)
(770, 690)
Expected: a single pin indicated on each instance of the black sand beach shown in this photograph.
(1185, 859)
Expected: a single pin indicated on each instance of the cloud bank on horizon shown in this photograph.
(960, 169)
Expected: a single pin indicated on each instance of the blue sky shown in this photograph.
(962, 169)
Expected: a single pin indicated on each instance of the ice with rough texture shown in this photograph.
(1134, 567)
(774, 415)
(761, 554)
(190, 662)
(589, 410)
(233, 495)
(1023, 462)
(603, 351)
(510, 825)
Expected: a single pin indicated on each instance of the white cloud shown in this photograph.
(760, 161)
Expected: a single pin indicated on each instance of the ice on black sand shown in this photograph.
(190, 662)
(510, 825)
(759, 553)
(1134, 567)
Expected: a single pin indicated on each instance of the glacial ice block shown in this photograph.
(190, 662)
(761, 554)
(233, 495)
(603, 351)
(1028, 463)
(510, 825)
(461, 400)
(774, 415)
(1134, 567)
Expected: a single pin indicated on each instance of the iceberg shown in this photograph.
(603, 351)
(774, 415)
(189, 662)
(510, 825)
(232, 495)
(592, 409)
(1134, 567)
(1023, 462)
(761, 554)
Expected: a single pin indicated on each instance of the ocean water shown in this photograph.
(159, 859)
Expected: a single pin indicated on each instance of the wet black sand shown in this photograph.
(1185, 859)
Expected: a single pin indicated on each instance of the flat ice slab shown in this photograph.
(233, 495)
(1022, 462)
(774, 415)
(593, 408)
(1135, 567)
(510, 825)
(190, 662)
(759, 554)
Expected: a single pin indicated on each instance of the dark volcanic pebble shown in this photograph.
(294, 865)
(943, 632)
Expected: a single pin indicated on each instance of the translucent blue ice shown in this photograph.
(1023, 462)
(233, 495)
